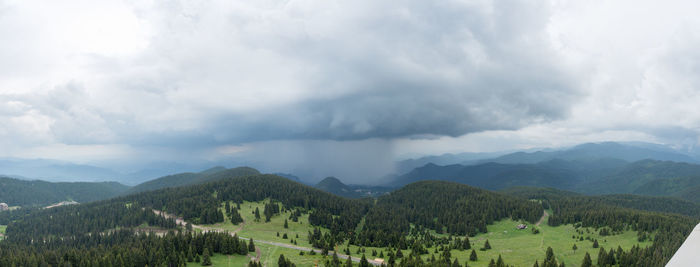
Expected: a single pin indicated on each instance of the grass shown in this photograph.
(517, 247)
(268, 230)
(522, 248)
(271, 254)
(226, 260)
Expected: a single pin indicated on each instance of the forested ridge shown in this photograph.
(16, 192)
(190, 178)
(441, 206)
(408, 218)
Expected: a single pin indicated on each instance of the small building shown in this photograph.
(4, 207)
(521, 226)
(379, 260)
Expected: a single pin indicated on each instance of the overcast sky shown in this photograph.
(341, 87)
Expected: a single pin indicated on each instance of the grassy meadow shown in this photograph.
(517, 247)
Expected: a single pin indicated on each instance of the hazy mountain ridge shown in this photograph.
(589, 168)
(590, 151)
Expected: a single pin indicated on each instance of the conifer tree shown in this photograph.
(206, 260)
(587, 262)
(363, 261)
(487, 245)
(251, 245)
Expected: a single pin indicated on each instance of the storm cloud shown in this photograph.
(185, 80)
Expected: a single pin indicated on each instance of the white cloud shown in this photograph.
(192, 77)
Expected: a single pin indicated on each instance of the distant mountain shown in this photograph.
(601, 176)
(636, 176)
(492, 176)
(17, 192)
(407, 165)
(53, 170)
(334, 186)
(189, 178)
(591, 151)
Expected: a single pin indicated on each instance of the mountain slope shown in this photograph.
(334, 186)
(633, 177)
(188, 178)
(596, 177)
(625, 151)
(495, 176)
(17, 192)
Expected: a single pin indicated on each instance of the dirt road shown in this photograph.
(544, 216)
(182, 222)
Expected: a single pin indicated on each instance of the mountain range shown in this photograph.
(604, 168)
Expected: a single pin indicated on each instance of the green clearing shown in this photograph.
(517, 247)
(270, 254)
(522, 247)
(268, 230)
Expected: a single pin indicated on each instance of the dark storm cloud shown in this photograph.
(417, 68)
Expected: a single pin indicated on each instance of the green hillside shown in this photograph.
(422, 224)
(598, 177)
(17, 192)
(190, 178)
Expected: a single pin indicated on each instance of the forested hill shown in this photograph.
(444, 207)
(335, 186)
(645, 203)
(17, 192)
(189, 178)
(406, 219)
(596, 177)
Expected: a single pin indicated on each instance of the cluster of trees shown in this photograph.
(77, 220)
(270, 209)
(123, 248)
(233, 212)
(457, 209)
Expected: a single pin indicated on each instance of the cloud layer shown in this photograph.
(194, 77)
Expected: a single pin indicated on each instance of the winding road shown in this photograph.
(205, 229)
(544, 216)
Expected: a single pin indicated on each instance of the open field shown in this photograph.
(226, 260)
(522, 247)
(268, 230)
(517, 247)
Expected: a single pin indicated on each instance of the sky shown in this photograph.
(341, 88)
